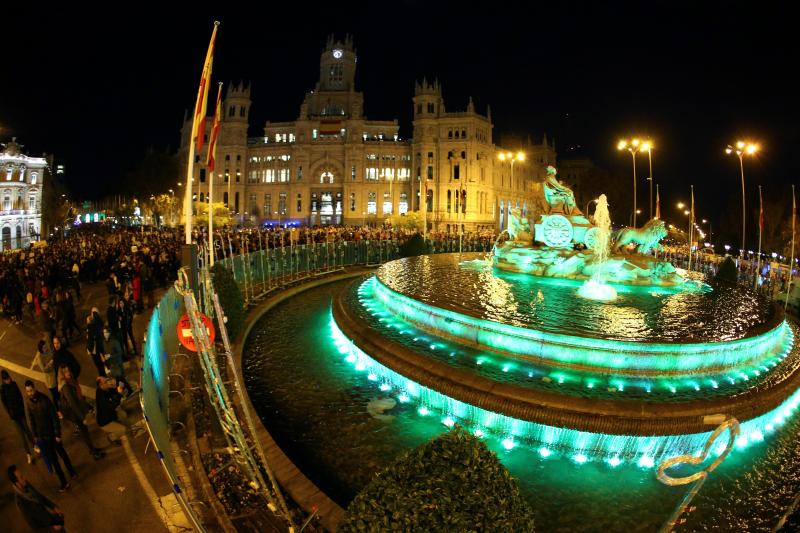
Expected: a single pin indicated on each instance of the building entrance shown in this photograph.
(326, 207)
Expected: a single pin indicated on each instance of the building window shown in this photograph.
(196, 160)
(387, 204)
(299, 202)
(371, 203)
(456, 171)
(371, 173)
(463, 134)
(202, 175)
(225, 199)
(430, 172)
(232, 111)
(431, 108)
(449, 199)
(283, 175)
(457, 134)
(353, 173)
(236, 201)
(238, 175)
(227, 175)
(282, 203)
(419, 109)
(314, 133)
(352, 201)
(463, 201)
(227, 157)
(326, 177)
(241, 111)
(34, 178)
(269, 175)
(449, 134)
(402, 207)
(32, 202)
(429, 200)
(299, 173)
(267, 205)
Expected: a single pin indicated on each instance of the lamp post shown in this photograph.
(633, 146)
(513, 158)
(741, 149)
(647, 146)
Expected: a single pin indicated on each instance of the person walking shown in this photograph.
(15, 407)
(43, 359)
(46, 431)
(75, 408)
(114, 360)
(39, 512)
(94, 340)
(111, 417)
(61, 357)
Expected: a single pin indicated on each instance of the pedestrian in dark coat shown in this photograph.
(15, 407)
(38, 510)
(47, 432)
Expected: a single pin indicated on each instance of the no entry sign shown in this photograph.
(185, 331)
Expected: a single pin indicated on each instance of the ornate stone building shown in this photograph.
(21, 182)
(333, 165)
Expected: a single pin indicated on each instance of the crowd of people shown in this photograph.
(40, 290)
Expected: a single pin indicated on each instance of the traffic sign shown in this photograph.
(185, 331)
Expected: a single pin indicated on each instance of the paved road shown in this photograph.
(125, 491)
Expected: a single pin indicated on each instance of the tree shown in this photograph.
(222, 215)
(452, 483)
(168, 207)
(412, 221)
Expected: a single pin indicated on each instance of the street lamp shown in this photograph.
(513, 158)
(633, 146)
(647, 146)
(741, 149)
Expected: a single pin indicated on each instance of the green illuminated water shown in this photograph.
(465, 284)
(316, 407)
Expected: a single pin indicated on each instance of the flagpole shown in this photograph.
(197, 121)
(211, 157)
(791, 255)
(691, 229)
(760, 230)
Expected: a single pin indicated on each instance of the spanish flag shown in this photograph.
(199, 123)
(212, 141)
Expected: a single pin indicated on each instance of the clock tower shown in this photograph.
(337, 66)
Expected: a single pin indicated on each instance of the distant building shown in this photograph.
(21, 182)
(333, 165)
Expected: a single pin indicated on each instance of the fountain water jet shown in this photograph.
(596, 287)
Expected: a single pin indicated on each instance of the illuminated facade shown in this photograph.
(333, 165)
(21, 181)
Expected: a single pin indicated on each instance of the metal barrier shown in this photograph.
(160, 346)
(266, 269)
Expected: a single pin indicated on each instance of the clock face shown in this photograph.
(337, 54)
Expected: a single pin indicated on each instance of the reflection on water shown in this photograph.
(335, 425)
(466, 284)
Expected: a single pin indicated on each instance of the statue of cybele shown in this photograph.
(558, 196)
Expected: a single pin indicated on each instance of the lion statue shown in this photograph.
(519, 229)
(646, 238)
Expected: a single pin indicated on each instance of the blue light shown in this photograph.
(423, 411)
(646, 461)
(544, 452)
(580, 458)
(385, 387)
(614, 461)
(508, 444)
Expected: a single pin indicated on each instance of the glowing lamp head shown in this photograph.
(520, 156)
(647, 146)
(621, 145)
(729, 150)
(501, 156)
(681, 205)
(740, 144)
(635, 143)
(751, 149)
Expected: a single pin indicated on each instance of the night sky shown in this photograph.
(99, 88)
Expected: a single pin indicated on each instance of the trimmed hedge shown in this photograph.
(452, 483)
(727, 271)
(230, 299)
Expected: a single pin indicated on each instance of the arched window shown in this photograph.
(326, 177)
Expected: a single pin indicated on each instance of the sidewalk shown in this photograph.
(125, 491)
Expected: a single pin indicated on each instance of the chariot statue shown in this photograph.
(562, 225)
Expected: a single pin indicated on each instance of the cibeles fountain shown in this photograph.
(565, 244)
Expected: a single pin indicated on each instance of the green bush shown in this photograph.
(727, 271)
(230, 298)
(414, 246)
(452, 483)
